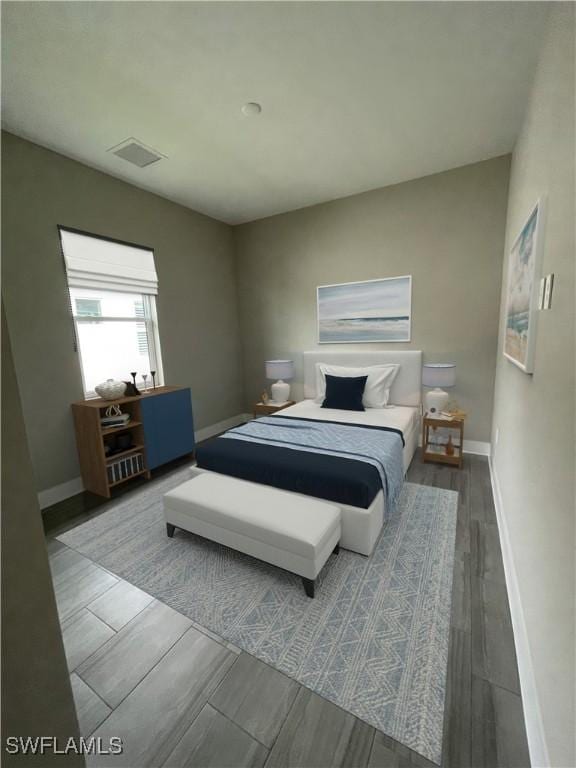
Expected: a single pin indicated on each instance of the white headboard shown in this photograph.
(407, 386)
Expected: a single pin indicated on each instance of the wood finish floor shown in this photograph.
(180, 696)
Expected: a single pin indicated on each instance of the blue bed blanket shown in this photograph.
(378, 447)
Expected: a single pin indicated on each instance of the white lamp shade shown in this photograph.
(279, 369)
(439, 375)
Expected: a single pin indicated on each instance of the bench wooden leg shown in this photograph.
(170, 530)
(308, 586)
(337, 549)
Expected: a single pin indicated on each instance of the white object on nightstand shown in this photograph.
(437, 375)
(280, 369)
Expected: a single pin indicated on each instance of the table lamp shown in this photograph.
(280, 370)
(437, 375)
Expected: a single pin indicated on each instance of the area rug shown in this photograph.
(373, 641)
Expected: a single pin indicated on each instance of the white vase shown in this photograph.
(435, 401)
(280, 392)
(110, 389)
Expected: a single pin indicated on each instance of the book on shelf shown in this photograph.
(443, 439)
(124, 468)
(440, 448)
(435, 448)
(455, 415)
(115, 421)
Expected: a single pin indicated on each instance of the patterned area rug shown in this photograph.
(375, 638)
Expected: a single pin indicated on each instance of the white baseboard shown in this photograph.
(532, 713)
(477, 447)
(60, 492)
(63, 491)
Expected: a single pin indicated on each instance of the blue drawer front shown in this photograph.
(168, 426)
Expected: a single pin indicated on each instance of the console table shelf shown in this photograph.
(116, 430)
(160, 429)
(121, 454)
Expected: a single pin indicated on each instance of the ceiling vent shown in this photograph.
(133, 151)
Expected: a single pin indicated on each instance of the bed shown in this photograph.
(356, 459)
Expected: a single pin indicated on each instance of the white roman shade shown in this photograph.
(94, 262)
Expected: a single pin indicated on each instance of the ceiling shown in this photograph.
(354, 95)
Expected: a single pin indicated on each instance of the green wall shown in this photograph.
(230, 297)
(197, 310)
(446, 230)
(534, 435)
(36, 693)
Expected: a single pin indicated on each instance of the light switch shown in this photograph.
(548, 286)
(541, 293)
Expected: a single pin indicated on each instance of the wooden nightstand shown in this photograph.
(441, 452)
(261, 409)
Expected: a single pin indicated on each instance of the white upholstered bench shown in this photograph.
(293, 532)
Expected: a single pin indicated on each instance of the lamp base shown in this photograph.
(435, 401)
(280, 392)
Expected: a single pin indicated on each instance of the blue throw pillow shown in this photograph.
(344, 393)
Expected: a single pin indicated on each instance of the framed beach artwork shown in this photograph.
(368, 311)
(522, 292)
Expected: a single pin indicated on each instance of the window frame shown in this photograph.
(150, 318)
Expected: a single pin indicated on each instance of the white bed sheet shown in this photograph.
(406, 418)
(402, 417)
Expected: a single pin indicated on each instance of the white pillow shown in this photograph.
(378, 383)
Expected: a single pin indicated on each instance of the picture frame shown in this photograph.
(365, 311)
(522, 291)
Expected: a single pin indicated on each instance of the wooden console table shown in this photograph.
(161, 429)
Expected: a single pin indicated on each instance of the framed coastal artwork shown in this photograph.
(522, 292)
(368, 311)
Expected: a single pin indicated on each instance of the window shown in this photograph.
(88, 307)
(141, 328)
(114, 314)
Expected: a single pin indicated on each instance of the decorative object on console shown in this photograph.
(264, 398)
(280, 370)
(110, 389)
(367, 311)
(131, 390)
(121, 443)
(134, 374)
(124, 442)
(113, 417)
(522, 292)
(153, 374)
(437, 375)
(144, 379)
